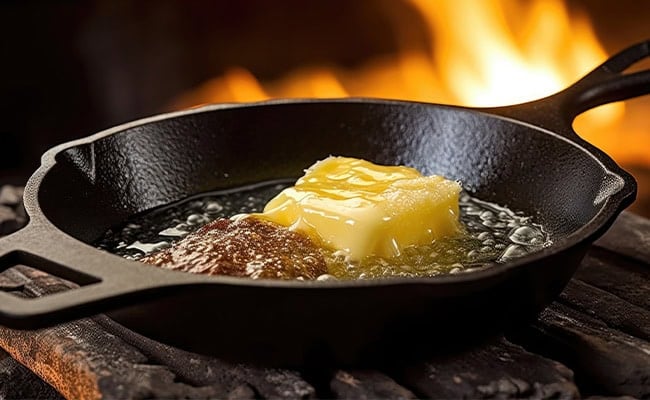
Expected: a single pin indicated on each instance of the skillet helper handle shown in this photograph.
(605, 84)
(100, 289)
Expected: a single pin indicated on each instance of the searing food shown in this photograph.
(246, 247)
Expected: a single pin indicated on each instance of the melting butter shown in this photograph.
(364, 209)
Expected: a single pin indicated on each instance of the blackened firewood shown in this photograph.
(498, 369)
(613, 362)
(84, 360)
(199, 369)
(616, 312)
(625, 278)
(12, 280)
(18, 382)
(367, 384)
(630, 236)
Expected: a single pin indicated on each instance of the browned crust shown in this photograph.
(246, 247)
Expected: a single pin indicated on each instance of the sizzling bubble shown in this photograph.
(148, 248)
(527, 236)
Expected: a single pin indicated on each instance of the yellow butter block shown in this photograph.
(366, 209)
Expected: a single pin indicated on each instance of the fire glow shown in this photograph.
(483, 53)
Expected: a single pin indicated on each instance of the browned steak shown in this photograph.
(247, 247)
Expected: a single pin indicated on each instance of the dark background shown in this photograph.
(70, 69)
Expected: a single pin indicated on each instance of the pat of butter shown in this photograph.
(367, 209)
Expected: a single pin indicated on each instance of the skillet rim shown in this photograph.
(610, 207)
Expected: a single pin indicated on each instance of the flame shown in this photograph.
(489, 66)
(483, 53)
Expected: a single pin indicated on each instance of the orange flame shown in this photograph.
(484, 53)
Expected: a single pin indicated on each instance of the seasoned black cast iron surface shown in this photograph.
(525, 157)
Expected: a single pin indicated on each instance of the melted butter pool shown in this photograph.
(493, 234)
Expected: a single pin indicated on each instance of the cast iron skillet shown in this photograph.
(525, 156)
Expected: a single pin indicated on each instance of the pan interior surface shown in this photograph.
(99, 184)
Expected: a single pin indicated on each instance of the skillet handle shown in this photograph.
(605, 84)
(44, 248)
